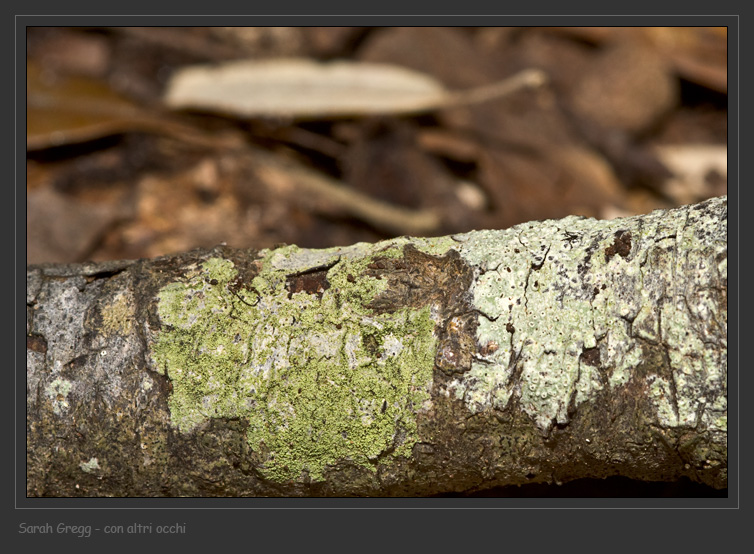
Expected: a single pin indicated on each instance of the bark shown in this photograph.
(547, 352)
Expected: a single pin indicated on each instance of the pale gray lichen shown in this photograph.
(549, 291)
(64, 334)
(91, 466)
(57, 391)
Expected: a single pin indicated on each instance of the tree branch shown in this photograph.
(546, 352)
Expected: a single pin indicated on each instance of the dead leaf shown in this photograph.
(700, 171)
(627, 87)
(698, 54)
(521, 186)
(301, 88)
(68, 110)
(447, 54)
(444, 143)
(320, 193)
(60, 229)
(70, 50)
(305, 89)
(64, 110)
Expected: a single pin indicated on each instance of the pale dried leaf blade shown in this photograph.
(303, 89)
(694, 167)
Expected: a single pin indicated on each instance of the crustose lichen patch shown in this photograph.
(321, 378)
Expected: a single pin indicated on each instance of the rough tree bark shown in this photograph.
(546, 352)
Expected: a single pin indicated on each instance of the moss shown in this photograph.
(321, 379)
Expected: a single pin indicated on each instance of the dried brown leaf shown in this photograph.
(698, 54)
(70, 110)
(73, 109)
(625, 87)
(60, 229)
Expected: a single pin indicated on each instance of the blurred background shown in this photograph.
(133, 152)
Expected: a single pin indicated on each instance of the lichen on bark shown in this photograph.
(320, 376)
(575, 303)
(542, 353)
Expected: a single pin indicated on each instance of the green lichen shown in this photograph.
(321, 380)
